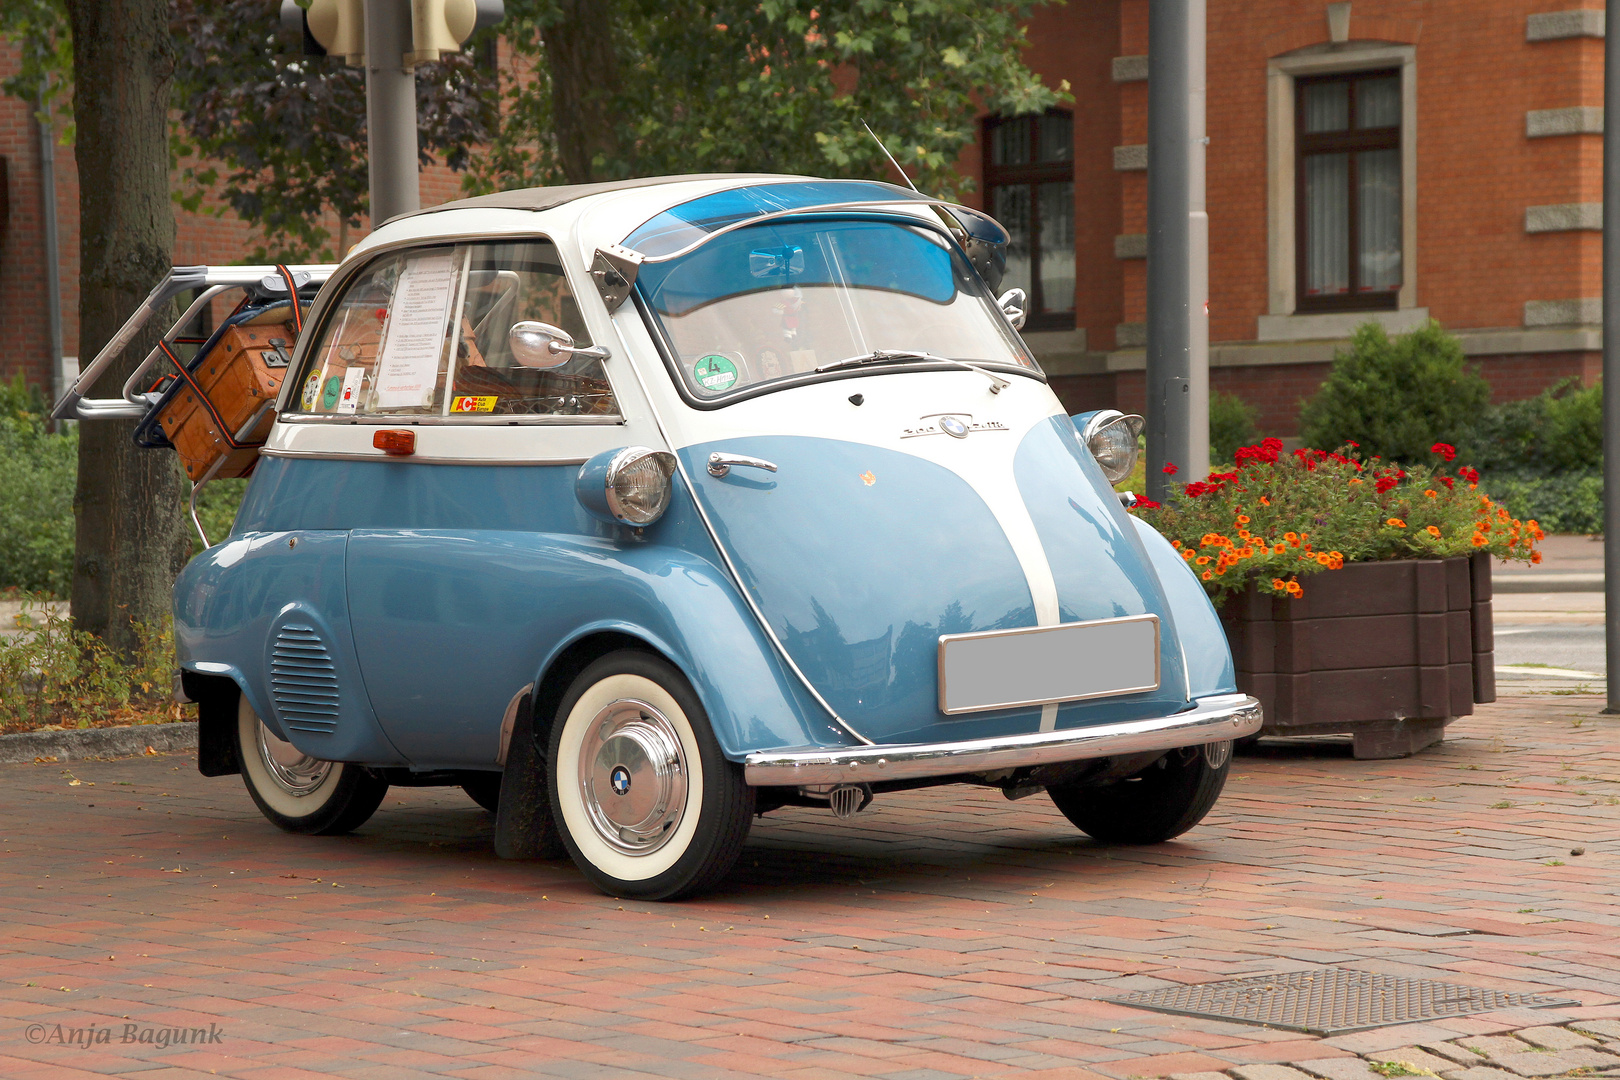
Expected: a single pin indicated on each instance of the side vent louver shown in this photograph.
(303, 681)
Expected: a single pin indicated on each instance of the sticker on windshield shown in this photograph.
(715, 373)
(473, 404)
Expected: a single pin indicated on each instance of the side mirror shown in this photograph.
(541, 345)
(1014, 304)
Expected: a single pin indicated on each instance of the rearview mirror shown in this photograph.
(1014, 304)
(543, 346)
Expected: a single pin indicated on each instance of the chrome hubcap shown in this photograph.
(632, 777)
(293, 771)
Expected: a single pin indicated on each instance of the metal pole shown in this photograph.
(1611, 357)
(391, 111)
(1178, 246)
(52, 243)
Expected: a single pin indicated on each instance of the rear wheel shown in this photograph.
(297, 792)
(647, 805)
(1162, 801)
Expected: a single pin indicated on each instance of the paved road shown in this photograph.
(1555, 645)
(943, 933)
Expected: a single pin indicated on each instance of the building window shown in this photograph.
(1029, 188)
(1349, 191)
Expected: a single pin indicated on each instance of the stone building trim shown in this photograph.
(1337, 325)
(1493, 342)
(1323, 59)
(1130, 246)
(1564, 217)
(1558, 25)
(1130, 69)
(1130, 158)
(1583, 311)
(1575, 120)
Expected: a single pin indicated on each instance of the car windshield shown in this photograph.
(773, 303)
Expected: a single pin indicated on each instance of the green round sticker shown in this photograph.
(715, 373)
(334, 386)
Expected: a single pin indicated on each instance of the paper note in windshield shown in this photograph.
(408, 367)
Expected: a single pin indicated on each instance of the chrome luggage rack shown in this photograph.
(209, 281)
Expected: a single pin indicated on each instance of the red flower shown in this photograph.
(1349, 442)
(1445, 450)
(1146, 504)
(1197, 488)
(1385, 483)
(1446, 480)
(1170, 468)
(1469, 474)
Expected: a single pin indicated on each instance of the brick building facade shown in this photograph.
(1449, 150)
(1446, 155)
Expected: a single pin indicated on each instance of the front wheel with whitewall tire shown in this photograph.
(647, 805)
(1159, 803)
(300, 793)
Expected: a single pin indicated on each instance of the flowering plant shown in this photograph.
(1275, 517)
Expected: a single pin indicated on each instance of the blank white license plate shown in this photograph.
(1004, 669)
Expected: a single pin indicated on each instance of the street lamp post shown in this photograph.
(391, 111)
(1611, 357)
(1178, 245)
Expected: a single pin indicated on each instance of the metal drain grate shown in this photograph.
(1331, 1001)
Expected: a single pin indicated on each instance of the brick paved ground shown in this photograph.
(941, 934)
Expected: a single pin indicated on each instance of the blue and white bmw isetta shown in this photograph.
(638, 509)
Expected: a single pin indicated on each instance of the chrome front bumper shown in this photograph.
(1211, 719)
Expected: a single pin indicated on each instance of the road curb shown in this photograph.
(1546, 583)
(98, 742)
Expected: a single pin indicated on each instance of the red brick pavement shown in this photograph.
(940, 934)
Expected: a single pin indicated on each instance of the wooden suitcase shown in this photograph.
(242, 376)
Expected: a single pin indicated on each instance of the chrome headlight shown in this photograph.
(631, 486)
(1111, 437)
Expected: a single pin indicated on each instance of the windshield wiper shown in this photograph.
(911, 356)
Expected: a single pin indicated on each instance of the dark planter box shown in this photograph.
(1388, 652)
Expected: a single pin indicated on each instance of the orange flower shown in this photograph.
(1279, 549)
(1336, 555)
(1246, 552)
(1295, 590)
(1176, 544)
(1202, 560)
(1264, 501)
(1336, 564)
(1244, 534)
(1535, 556)
(1304, 536)
(1278, 584)
(1188, 554)
(1355, 479)
(1323, 559)
(1208, 575)
(1480, 540)
(1431, 493)
(1243, 519)
(1433, 531)
(1396, 523)
(1291, 537)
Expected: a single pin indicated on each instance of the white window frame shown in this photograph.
(1281, 158)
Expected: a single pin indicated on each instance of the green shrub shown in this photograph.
(1560, 430)
(1567, 502)
(1232, 423)
(1398, 396)
(36, 505)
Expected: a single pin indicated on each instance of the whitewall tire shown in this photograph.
(299, 793)
(647, 805)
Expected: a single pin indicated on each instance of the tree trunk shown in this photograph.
(584, 69)
(130, 539)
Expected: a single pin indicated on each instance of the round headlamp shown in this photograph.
(630, 486)
(1111, 436)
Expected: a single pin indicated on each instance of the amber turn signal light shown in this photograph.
(395, 443)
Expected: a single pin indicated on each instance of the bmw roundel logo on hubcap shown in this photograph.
(950, 425)
(620, 779)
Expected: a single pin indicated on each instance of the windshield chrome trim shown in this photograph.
(347, 455)
(463, 420)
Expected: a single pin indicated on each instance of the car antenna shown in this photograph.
(890, 156)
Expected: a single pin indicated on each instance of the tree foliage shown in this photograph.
(45, 69)
(643, 87)
(1397, 397)
(282, 136)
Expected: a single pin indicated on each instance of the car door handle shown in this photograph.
(720, 464)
